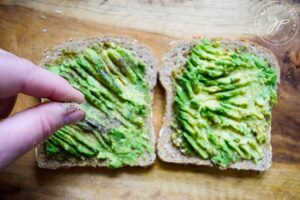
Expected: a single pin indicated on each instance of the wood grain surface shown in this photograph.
(27, 28)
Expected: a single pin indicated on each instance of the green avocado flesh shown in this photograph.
(222, 104)
(117, 106)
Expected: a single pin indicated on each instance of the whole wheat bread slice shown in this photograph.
(173, 59)
(144, 54)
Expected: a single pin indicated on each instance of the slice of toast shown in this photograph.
(141, 52)
(173, 60)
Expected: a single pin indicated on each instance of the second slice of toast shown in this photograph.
(173, 62)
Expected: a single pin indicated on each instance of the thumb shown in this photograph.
(23, 131)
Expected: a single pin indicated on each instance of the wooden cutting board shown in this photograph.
(27, 28)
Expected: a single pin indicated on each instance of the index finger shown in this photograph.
(20, 75)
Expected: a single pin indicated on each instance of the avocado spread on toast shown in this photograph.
(222, 104)
(117, 106)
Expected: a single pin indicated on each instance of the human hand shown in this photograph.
(24, 130)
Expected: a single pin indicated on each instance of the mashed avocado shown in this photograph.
(112, 80)
(222, 104)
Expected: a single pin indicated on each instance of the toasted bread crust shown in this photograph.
(176, 57)
(143, 53)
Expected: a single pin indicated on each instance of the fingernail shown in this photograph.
(81, 97)
(78, 97)
(74, 116)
